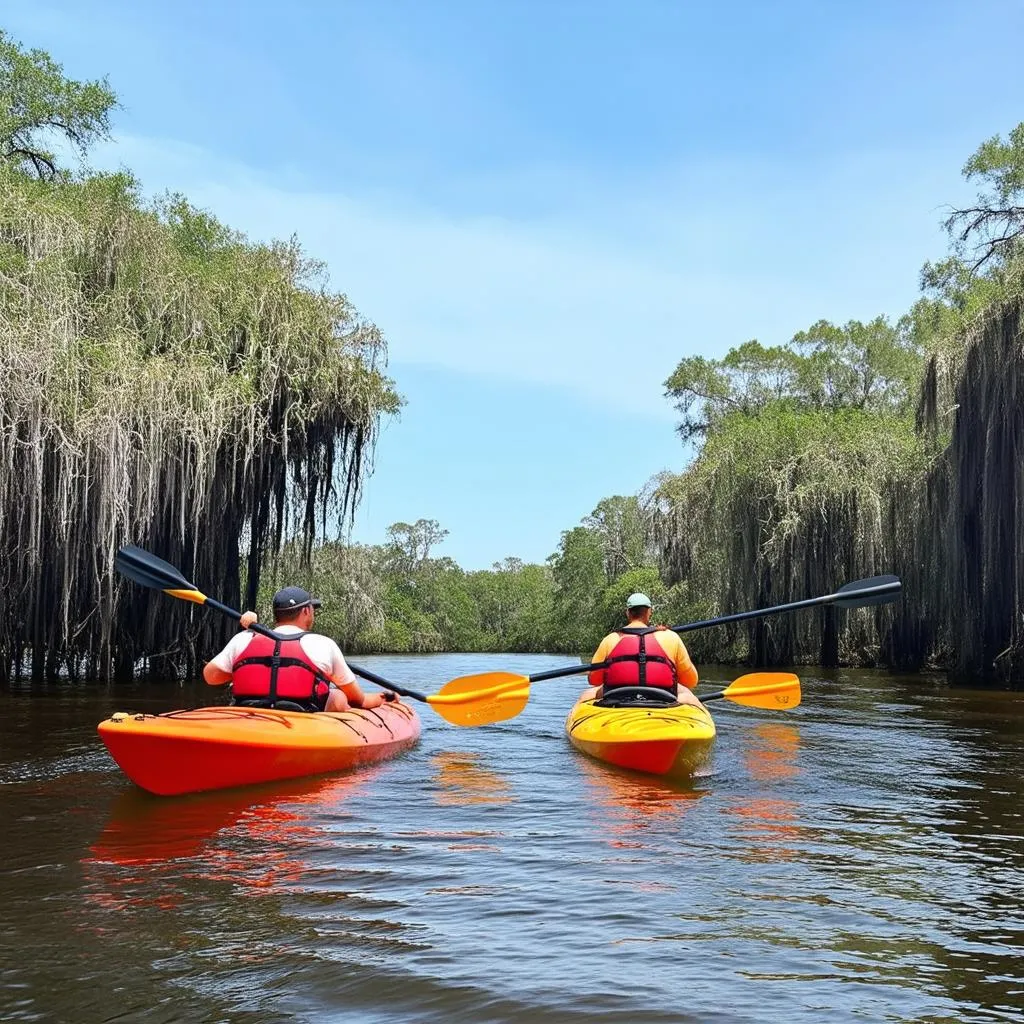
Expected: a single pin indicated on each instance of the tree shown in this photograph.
(992, 229)
(619, 523)
(872, 366)
(410, 544)
(39, 106)
(579, 577)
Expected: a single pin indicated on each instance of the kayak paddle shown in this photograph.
(858, 594)
(458, 706)
(777, 691)
(773, 690)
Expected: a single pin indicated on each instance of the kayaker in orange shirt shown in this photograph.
(311, 670)
(665, 663)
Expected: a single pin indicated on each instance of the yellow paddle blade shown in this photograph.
(188, 595)
(481, 699)
(777, 691)
(479, 682)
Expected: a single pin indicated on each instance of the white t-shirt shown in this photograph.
(321, 650)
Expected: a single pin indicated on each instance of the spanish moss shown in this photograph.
(170, 384)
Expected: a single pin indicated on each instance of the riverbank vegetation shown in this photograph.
(401, 597)
(862, 449)
(165, 381)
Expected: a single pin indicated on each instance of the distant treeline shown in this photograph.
(396, 597)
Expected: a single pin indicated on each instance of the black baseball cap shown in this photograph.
(294, 597)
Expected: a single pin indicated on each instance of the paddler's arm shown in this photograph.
(603, 650)
(686, 673)
(214, 672)
(360, 699)
(213, 675)
(344, 678)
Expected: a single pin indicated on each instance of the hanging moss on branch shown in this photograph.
(168, 383)
(973, 511)
(782, 506)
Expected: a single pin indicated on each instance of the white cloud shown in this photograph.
(606, 294)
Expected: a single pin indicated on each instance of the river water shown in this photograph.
(860, 858)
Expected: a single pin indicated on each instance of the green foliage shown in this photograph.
(1000, 165)
(398, 597)
(991, 232)
(621, 528)
(860, 366)
(579, 577)
(166, 381)
(39, 106)
(598, 565)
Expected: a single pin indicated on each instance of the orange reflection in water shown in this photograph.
(150, 845)
(772, 751)
(627, 804)
(766, 824)
(462, 779)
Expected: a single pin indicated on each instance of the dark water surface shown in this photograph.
(860, 858)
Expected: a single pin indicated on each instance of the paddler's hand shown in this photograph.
(372, 700)
(389, 696)
(660, 628)
(248, 618)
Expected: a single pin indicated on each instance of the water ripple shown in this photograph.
(857, 859)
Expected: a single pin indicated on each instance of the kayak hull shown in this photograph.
(674, 740)
(223, 747)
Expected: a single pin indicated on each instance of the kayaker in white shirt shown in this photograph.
(312, 670)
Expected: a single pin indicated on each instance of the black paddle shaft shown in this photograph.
(858, 594)
(147, 570)
(879, 590)
(571, 670)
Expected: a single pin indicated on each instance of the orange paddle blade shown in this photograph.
(482, 699)
(188, 595)
(777, 691)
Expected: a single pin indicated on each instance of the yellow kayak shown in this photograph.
(658, 738)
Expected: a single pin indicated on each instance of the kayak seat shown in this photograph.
(637, 697)
(280, 705)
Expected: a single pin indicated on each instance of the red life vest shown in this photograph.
(273, 670)
(639, 660)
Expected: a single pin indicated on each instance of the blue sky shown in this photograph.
(545, 205)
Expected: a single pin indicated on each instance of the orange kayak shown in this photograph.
(218, 747)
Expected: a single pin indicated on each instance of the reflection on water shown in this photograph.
(766, 829)
(142, 828)
(770, 754)
(857, 859)
(462, 779)
(626, 805)
(768, 826)
(151, 845)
